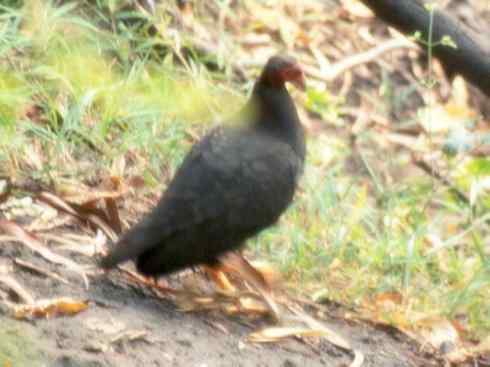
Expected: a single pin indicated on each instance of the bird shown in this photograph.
(235, 182)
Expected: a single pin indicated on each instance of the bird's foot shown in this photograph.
(236, 264)
(160, 285)
(220, 279)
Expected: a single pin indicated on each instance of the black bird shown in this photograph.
(234, 182)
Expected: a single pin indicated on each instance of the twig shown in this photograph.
(364, 57)
(35, 269)
(424, 166)
(457, 238)
(29, 240)
(5, 188)
(113, 215)
(60, 204)
(17, 288)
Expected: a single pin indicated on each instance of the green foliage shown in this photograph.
(324, 104)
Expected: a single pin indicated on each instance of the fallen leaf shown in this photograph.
(276, 333)
(60, 204)
(76, 193)
(50, 308)
(358, 359)
(25, 207)
(252, 305)
(357, 9)
(268, 272)
(438, 331)
(388, 300)
(136, 182)
(330, 335)
(233, 262)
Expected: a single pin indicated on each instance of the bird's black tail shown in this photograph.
(135, 242)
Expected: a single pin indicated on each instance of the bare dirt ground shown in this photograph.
(126, 325)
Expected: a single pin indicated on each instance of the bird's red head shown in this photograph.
(282, 69)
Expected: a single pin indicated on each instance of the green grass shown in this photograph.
(90, 83)
(100, 80)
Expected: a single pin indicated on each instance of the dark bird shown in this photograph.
(234, 182)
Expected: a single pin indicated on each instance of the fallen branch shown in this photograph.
(469, 59)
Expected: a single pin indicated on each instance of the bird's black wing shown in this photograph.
(238, 179)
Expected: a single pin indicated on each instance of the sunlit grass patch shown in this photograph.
(70, 91)
(14, 92)
(340, 243)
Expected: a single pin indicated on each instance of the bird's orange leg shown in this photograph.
(219, 278)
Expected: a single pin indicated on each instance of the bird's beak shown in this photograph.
(295, 76)
(299, 82)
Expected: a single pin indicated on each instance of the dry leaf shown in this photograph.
(136, 182)
(50, 308)
(276, 333)
(60, 204)
(234, 262)
(25, 207)
(76, 193)
(252, 305)
(357, 9)
(271, 275)
(438, 331)
(388, 301)
(330, 335)
(358, 359)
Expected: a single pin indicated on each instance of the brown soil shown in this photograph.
(168, 336)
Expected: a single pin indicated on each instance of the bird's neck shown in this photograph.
(274, 112)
